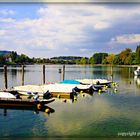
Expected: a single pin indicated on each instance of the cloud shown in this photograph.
(60, 29)
(102, 25)
(6, 12)
(127, 39)
(2, 32)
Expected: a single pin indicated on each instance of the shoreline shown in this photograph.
(108, 65)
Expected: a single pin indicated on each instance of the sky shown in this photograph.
(48, 30)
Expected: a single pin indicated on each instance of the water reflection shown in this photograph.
(45, 109)
(84, 115)
(137, 80)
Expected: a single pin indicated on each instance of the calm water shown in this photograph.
(106, 114)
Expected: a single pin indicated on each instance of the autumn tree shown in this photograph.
(124, 54)
(109, 59)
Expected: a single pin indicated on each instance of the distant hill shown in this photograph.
(2, 53)
(66, 58)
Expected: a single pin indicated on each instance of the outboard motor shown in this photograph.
(18, 96)
(91, 90)
(47, 95)
(75, 90)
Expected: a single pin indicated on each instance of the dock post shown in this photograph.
(63, 72)
(43, 74)
(22, 75)
(111, 73)
(5, 77)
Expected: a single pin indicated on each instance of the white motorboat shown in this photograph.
(66, 88)
(52, 88)
(29, 90)
(95, 81)
(137, 71)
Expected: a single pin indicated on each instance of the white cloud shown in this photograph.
(59, 26)
(101, 25)
(6, 12)
(127, 39)
(6, 20)
(2, 32)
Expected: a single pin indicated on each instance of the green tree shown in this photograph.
(117, 60)
(99, 57)
(84, 61)
(92, 60)
(137, 55)
(13, 56)
(2, 60)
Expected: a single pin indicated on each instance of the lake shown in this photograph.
(110, 114)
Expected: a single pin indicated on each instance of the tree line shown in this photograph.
(125, 57)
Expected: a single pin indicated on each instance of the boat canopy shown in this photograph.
(7, 95)
(138, 68)
(70, 82)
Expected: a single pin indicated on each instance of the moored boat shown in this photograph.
(95, 81)
(55, 88)
(137, 71)
(7, 95)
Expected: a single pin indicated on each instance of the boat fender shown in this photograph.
(81, 91)
(47, 110)
(39, 106)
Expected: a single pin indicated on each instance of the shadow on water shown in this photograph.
(137, 80)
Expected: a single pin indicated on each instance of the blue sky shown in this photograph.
(47, 30)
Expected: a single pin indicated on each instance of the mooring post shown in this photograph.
(5, 77)
(63, 72)
(111, 73)
(22, 75)
(43, 74)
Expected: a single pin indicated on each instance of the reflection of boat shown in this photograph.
(137, 71)
(137, 80)
(30, 108)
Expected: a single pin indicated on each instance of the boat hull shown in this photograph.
(137, 73)
(23, 103)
